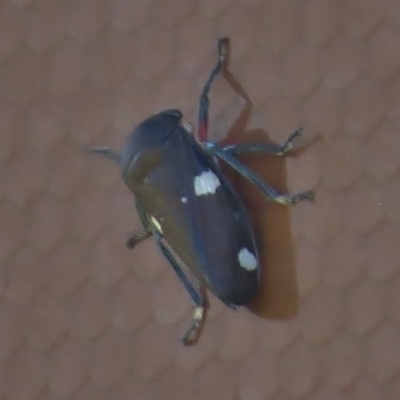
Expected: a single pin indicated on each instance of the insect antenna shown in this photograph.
(106, 152)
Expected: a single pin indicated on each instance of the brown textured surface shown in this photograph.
(83, 318)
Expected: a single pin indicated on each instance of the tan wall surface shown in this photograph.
(82, 317)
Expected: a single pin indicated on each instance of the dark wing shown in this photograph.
(199, 214)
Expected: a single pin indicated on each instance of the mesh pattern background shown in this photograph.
(81, 317)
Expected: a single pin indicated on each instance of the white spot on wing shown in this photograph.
(184, 199)
(247, 260)
(206, 183)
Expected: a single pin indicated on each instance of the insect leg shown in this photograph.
(136, 237)
(270, 193)
(198, 298)
(274, 149)
(204, 103)
(106, 152)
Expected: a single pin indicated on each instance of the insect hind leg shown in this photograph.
(269, 192)
(199, 298)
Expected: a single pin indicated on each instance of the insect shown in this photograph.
(188, 205)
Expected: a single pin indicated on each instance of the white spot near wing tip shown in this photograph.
(247, 260)
(184, 199)
(206, 183)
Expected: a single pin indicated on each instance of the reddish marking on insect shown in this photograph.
(202, 131)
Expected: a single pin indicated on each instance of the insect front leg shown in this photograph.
(136, 237)
(269, 192)
(274, 149)
(199, 314)
(204, 103)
